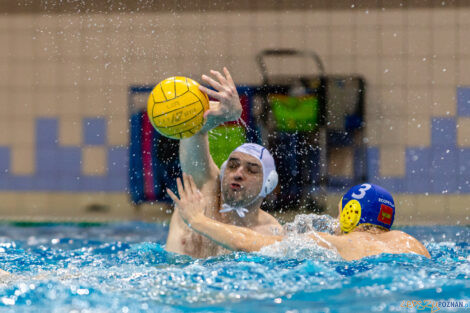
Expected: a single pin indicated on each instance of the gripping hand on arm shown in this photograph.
(191, 209)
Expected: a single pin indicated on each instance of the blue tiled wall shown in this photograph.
(441, 168)
(59, 168)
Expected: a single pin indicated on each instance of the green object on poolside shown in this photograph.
(294, 113)
(223, 140)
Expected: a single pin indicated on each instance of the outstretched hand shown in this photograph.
(228, 106)
(191, 202)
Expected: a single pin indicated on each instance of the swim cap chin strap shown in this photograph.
(270, 177)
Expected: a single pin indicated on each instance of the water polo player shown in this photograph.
(366, 215)
(233, 194)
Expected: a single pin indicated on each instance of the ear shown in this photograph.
(271, 183)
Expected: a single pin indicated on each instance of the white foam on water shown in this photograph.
(305, 223)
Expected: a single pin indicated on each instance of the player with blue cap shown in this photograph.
(366, 215)
(368, 205)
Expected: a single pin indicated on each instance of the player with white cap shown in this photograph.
(234, 193)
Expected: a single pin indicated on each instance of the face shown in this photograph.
(242, 180)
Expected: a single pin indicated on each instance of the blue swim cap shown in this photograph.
(366, 204)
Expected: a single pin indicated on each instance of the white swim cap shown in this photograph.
(270, 177)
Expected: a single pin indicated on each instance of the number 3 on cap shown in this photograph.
(362, 191)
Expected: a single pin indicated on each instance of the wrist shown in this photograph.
(197, 220)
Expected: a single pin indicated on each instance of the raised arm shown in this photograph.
(195, 157)
(191, 206)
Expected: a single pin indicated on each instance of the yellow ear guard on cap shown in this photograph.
(350, 216)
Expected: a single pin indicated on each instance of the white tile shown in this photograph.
(420, 18)
(6, 49)
(392, 161)
(68, 102)
(342, 18)
(94, 161)
(22, 44)
(463, 16)
(6, 138)
(21, 74)
(343, 65)
(463, 132)
(292, 38)
(463, 74)
(292, 19)
(368, 68)
(341, 41)
(118, 131)
(444, 102)
(367, 42)
(444, 42)
(94, 103)
(418, 133)
(418, 71)
(463, 42)
(419, 101)
(444, 72)
(70, 131)
(267, 38)
(45, 44)
(46, 74)
(318, 18)
(317, 40)
(22, 104)
(71, 44)
(267, 19)
(241, 43)
(22, 160)
(420, 42)
(392, 17)
(445, 17)
(392, 42)
(44, 104)
(23, 131)
(392, 72)
(69, 73)
(237, 19)
(393, 131)
(367, 17)
(393, 102)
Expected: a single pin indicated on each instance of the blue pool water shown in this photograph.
(123, 267)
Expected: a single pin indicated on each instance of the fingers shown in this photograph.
(172, 196)
(229, 77)
(220, 77)
(187, 184)
(210, 92)
(179, 185)
(193, 185)
(213, 83)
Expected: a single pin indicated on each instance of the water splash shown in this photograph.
(124, 268)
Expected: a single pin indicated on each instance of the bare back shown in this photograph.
(357, 245)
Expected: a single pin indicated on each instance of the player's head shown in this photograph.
(366, 204)
(247, 175)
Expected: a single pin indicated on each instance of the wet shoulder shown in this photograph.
(268, 224)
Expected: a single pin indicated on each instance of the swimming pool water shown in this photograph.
(123, 267)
